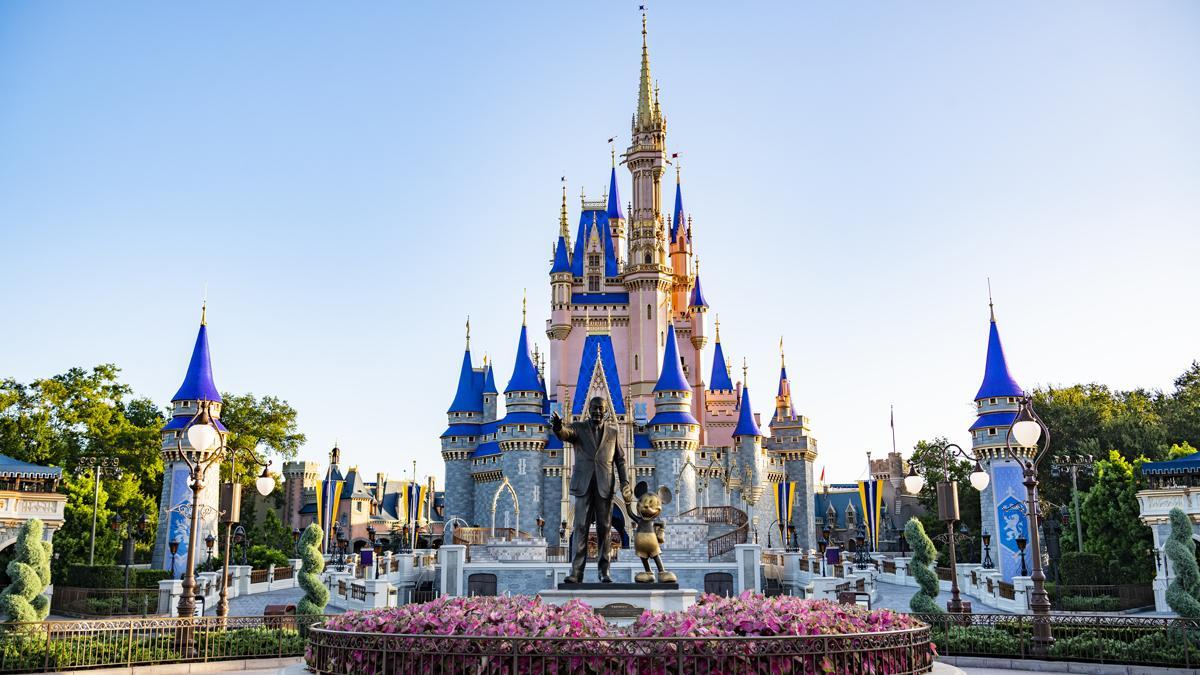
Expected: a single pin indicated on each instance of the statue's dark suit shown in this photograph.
(592, 484)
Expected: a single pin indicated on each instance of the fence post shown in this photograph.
(129, 649)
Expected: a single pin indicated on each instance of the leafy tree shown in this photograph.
(264, 426)
(1112, 527)
(923, 601)
(1181, 411)
(1183, 595)
(29, 570)
(927, 457)
(1178, 450)
(273, 534)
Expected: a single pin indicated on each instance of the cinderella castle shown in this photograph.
(628, 323)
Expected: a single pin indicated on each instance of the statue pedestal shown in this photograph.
(622, 603)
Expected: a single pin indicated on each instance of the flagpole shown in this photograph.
(416, 510)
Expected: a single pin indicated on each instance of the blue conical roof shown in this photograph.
(562, 262)
(198, 383)
(467, 398)
(672, 377)
(489, 381)
(720, 371)
(614, 198)
(997, 381)
(746, 425)
(697, 295)
(525, 375)
(677, 220)
(782, 378)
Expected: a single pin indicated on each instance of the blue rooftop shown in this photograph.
(614, 198)
(673, 418)
(720, 371)
(525, 375)
(468, 397)
(697, 295)
(672, 377)
(746, 425)
(489, 381)
(641, 442)
(1179, 465)
(598, 347)
(181, 421)
(198, 383)
(996, 419)
(586, 226)
(15, 468)
(562, 261)
(997, 381)
(600, 298)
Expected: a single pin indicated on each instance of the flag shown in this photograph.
(870, 494)
(612, 139)
(822, 475)
(329, 493)
(785, 497)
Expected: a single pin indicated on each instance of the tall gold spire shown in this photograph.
(524, 298)
(718, 325)
(563, 229)
(782, 363)
(645, 108)
(745, 371)
(991, 309)
(204, 313)
(468, 332)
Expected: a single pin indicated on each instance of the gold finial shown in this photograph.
(485, 358)
(524, 298)
(991, 309)
(563, 229)
(782, 364)
(468, 332)
(204, 313)
(718, 325)
(745, 372)
(645, 109)
(697, 266)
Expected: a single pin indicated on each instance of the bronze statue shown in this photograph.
(650, 532)
(597, 451)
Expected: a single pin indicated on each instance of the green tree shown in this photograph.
(1112, 527)
(23, 599)
(1181, 410)
(273, 534)
(924, 601)
(1183, 595)
(927, 457)
(264, 426)
(1178, 450)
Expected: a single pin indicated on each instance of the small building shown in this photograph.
(29, 491)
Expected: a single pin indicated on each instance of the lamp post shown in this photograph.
(860, 553)
(130, 534)
(243, 541)
(1027, 429)
(174, 548)
(987, 550)
(296, 540)
(209, 542)
(947, 498)
(98, 465)
(1073, 465)
(1021, 543)
(208, 449)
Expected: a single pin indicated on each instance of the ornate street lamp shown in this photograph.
(174, 548)
(1021, 543)
(1073, 465)
(242, 540)
(208, 449)
(947, 499)
(987, 550)
(1027, 429)
(209, 541)
(98, 465)
(860, 554)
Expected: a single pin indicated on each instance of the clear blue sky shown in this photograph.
(351, 180)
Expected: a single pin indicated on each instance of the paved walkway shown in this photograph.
(256, 604)
(894, 596)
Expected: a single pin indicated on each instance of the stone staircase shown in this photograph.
(728, 526)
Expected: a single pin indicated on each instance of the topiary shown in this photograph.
(312, 605)
(24, 599)
(1183, 595)
(925, 600)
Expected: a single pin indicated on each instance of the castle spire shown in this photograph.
(746, 425)
(645, 107)
(997, 380)
(198, 382)
(672, 377)
(677, 220)
(564, 230)
(720, 380)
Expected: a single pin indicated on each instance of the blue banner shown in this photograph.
(1009, 494)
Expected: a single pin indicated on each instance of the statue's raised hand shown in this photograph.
(555, 421)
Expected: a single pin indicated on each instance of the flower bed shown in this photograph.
(521, 634)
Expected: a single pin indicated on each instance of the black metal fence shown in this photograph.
(1090, 638)
(895, 652)
(50, 646)
(104, 602)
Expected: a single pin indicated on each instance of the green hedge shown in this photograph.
(1079, 603)
(1082, 569)
(112, 576)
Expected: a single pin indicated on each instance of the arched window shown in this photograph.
(635, 361)
(647, 258)
(719, 583)
(481, 584)
(649, 314)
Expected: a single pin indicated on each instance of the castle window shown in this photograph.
(647, 258)
(642, 453)
(593, 284)
(553, 454)
(520, 427)
(537, 496)
(703, 455)
(992, 401)
(521, 467)
(991, 432)
(635, 361)
(594, 260)
(649, 309)
(662, 338)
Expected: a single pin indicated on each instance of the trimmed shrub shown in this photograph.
(95, 576)
(29, 570)
(977, 640)
(1081, 569)
(1079, 603)
(925, 600)
(147, 578)
(1183, 595)
(312, 605)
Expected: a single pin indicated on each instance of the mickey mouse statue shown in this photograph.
(649, 531)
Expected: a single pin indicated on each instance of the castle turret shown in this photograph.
(616, 217)
(680, 250)
(674, 432)
(463, 436)
(298, 476)
(792, 446)
(997, 402)
(490, 393)
(748, 449)
(521, 436)
(198, 392)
